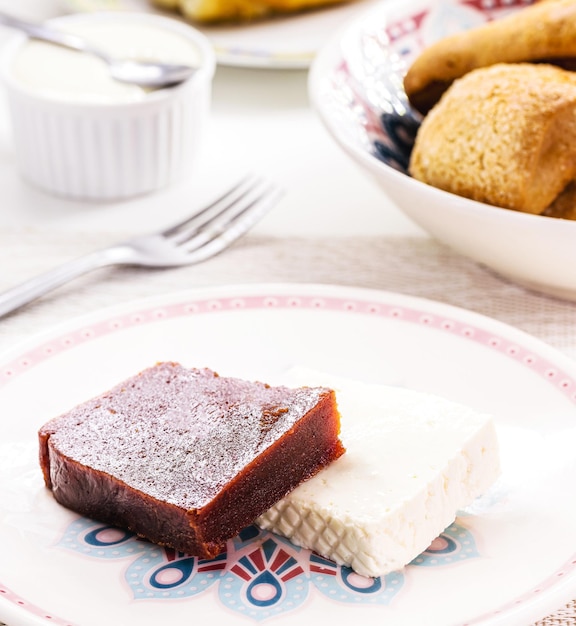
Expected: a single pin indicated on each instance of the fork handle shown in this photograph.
(32, 289)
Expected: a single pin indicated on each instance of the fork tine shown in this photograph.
(212, 211)
(210, 242)
(194, 235)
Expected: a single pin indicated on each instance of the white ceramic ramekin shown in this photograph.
(106, 151)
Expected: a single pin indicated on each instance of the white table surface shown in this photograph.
(333, 224)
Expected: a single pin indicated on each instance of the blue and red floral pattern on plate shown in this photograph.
(260, 576)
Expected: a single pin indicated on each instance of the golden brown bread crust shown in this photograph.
(564, 206)
(207, 11)
(503, 135)
(545, 31)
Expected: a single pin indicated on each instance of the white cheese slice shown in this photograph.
(412, 461)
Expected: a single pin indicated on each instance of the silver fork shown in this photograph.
(195, 239)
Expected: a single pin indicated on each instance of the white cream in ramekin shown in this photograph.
(79, 133)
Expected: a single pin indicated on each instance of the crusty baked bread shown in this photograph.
(207, 11)
(564, 206)
(187, 458)
(543, 32)
(503, 135)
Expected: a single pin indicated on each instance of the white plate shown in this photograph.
(509, 559)
(285, 42)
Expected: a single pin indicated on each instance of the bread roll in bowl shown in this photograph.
(503, 135)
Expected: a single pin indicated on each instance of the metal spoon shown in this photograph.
(143, 73)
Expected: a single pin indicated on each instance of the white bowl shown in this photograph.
(117, 146)
(350, 84)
